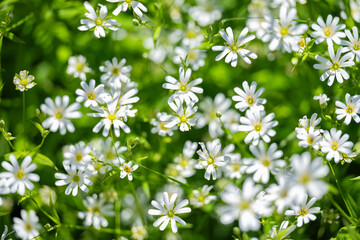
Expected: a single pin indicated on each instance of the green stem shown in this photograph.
(1, 84)
(43, 211)
(24, 112)
(340, 209)
(105, 230)
(340, 190)
(113, 142)
(117, 217)
(138, 205)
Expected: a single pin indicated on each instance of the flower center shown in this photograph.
(75, 178)
(257, 127)
(59, 114)
(192, 55)
(78, 157)
(303, 212)
(95, 210)
(235, 167)
(28, 227)
(79, 67)
(201, 198)
(183, 118)
(20, 174)
(349, 109)
(310, 140)
(234, 48)
(244, 205)
(183, 87)
(162, 126)
(250, 100)
(265, 162)
(356, 45)
(115, 71)
(98, 21)
(111, 117)
(334, 145)
(305, 178)
(127, 169)
(91, 95)
(302, 43)
(327, 32)
(210, 160)
(24, 82)
(335, 66)
(190, 34)
(184, 162)
(171, 213)
(284, 31)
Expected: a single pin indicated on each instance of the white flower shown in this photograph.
(283, 32)
(355, 10)
(310, 138)
(235, 167)
(4, 188)
(266, 161)
(192, 36)
(211, 158)
(283, 232)
(60, 113)
(127, 169)
(91, 95)
(323, 99)
(249, 98)
(201, 197)
(205, 12)
(78, 67)
(334, 144)
(304, 122)
(350, 110)
(115, 71)
(182, 116)
(24, 81)
(353, 45)
(75, 179)
(96, 210)
(168, 211)
(279, 193)
(335, 66)
(329, 31)
(304, 212)
(138, 232)
(27, 227)
(5, 233)
(19, 177)
(159, 123)
(97, 20)
(185, 90)
(258, 125)
(306, 177)
(194, 58)
(185, 162)
(111, 116)
(234, 47)
(137, 7)
(78, 155)
(302, 42)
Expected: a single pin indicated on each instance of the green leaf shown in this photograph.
(38, 126)
(41, 159)
(156, 34)
(24, 198)
(4, 213)
(53, 212)
(355, 178)
(13, 38)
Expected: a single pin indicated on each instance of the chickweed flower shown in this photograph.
(78, 67)
(24, 81)
(168, 211)
(183, 116)
(124, 5)
(115, 71)
(323, 99)
(194, 58)
(159, 123)
(127, 169)
(304, 212)
(27, 227)
(350, 110)
(97, 20)
(283, 232)
(234, 47)
(185, 162)
(249, 97)
(205, 12)
(334, 144)
(78, 155)
(353, 45)
(309, 138)
(329, 31)
(91, 95)
(201, 197)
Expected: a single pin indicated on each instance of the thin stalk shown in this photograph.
(117, 217)
(138, 205)
(113, 142)
(1, 84)
(43, 211)
(24, 112)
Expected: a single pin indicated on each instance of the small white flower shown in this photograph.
(159, 123)
(24, 81)
(201, 197)
(115, 71)
(302, 43)
(249, 97)
(96, 210)
(334, 144)
(235, 47)
(192, 36)
(78, 67)
(283, 232)
(127, 169)
(235, 167)
(353, 45)
(97, 20)
(258, 125)
(78, 155)
(27, 227)
(350, 110)
(304, 122)
(310, 138)
(194, 58)
(304, 212)
(205, 12)
(211, 158)
(90, 94)
(182, 116)
(279, 193)
(60, 113)
(185, 90)
(4, 188)
(19, 177)
(123, 6)
(335, 66)
(139, 232)
(185, 162)
(75, 179)
(329, 31)
(323, 99)
(168, 211)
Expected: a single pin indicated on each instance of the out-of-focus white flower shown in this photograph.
(159, 123)
(249, 97)
(201, 197)
(97, 20)
(234, 47)
(96, 210)
(257, 9)
(138, 232)
(192, 36)
(350, 110)
(75, 179)
(211, 158)
(115, 71)
(194, 58)
(355, 10)
(47, 194)
(329, 31)
(258, 125)
(304, 122)
(124, 5)
(4, 189)
(78, 155)
(18, 177)
(185, 162)
(24, 81)
(310, 138)
(279, 193)
(235, 168)
(323, 99)
(168, 211)
(353, 45)
(304, 212)
(27, 227)
(78, 67)
(183, 117)
(205, 12)
(60, 112)
(93, 96)
(334, 145)
(283, 232)
(127, 169)
(302, 43)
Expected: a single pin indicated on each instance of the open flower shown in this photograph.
(202, 197)
(234, 47)
(115, 71)
(334, 145)
(329, 31)
(249, 97)
(304, 212)
(168, 210)
(97, 20)
(78, 67)
(90, 94)
(350, 110)
(27, 227)
(24, 81)
(182, 116)
(127, 169)
(353, 45)
(78, 154)
(137, 7)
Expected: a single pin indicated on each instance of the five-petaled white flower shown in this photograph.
(201, 197)
(185, 90)
(168, 211)
(75, 179)
(234, 47)
(127, 169)
(334, 144)
(18, 177)
(137, 7)
(97, 20)
(353, 45)
(182, 116)
(329, 31)
(335, 66)
(249, 97)
(350, 110)
(78, 67)
(304, 212)
(60, 113)
(115, 71)
(90, 94)
(24, 81)
(27, 227)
